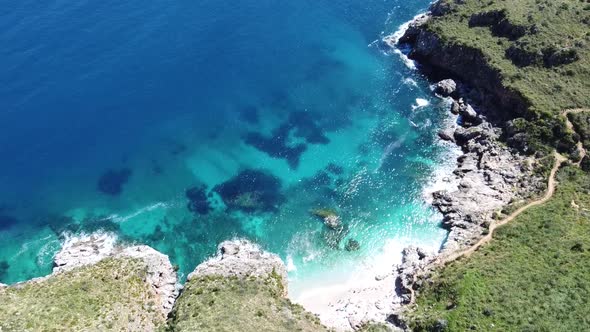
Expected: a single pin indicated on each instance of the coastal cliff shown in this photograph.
(242, 288)
(515, 68)
(96, 285)
(99, 284)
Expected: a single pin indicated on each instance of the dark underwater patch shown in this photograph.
(306, 127)
(111, 182)
(251, 191)
(198, 201)
(276, 145)
(249, 114)
(300, 125)
(7, 222)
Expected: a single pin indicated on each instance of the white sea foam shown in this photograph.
(290, 265)
(442, 176)
(410, 81)
(394, 38)
(148, 208)
(420, 102)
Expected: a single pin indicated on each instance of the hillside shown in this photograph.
(529, 59)
(531, 277)
(108, 296)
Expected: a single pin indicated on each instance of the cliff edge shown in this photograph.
(243, 286)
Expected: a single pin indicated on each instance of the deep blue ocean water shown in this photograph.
(267, 110)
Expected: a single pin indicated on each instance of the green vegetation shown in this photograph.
(581, 122)
(532, 277)
(215, 303)
(108, 296)
(540, 50)
(536, 28)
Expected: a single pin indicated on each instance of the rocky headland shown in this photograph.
(100, 284)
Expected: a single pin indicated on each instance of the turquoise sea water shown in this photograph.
(268, 110)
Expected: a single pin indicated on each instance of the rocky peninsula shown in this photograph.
(100, 284)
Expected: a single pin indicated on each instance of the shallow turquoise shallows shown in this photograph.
(180, 124)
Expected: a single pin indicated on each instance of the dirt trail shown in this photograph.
(559, 159)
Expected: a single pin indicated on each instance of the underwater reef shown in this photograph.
(299, 125)
(197, 199)
(112, 181)
(7, 222)
(251, 191)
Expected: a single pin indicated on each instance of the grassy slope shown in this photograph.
(532, 277)
(229, 304)
(108, 296)
(560, 24)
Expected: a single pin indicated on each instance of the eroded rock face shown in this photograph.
(161, 275)
(464, 63)
(242, 258)
(90, 249)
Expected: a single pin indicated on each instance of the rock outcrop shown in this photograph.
(445, 88)
(464, 63)
(242, 288)
(414, 259)
(242, 259)
(90, 249)
(489, 176)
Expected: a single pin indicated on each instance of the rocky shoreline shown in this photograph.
(489, 175)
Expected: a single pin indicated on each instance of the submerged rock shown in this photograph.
(329, 217)
(111, 182)
(332, 221)
(198, 201)
(352, 245)
(251, 190)
(4, 266)
(7, 222)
